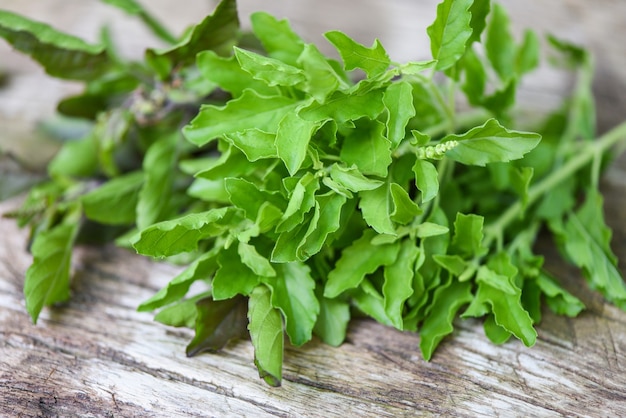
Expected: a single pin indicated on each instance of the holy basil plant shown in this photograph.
(302, 190)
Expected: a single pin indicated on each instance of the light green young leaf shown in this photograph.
(217, 32)
(447, 301)
(233, 277)
(398, 100)
(293, 294)
(202, 268)
(301, 200)
(405, 210)
(322, 79)
(490, 143)
(229, 76)
(475, 80)
(289, 245)
(468, 235)
(367, 148)
(373, 60)
(342, 107)
(352, 179)
(453, 263)
(329, 206)
(271, 71)
(254, 143)
(496, 334)
(159, 167)
(255, 261)
(528, 54)
(398, 285)
(61, 55)
(358, 260)
(292, 140)
(247, 196)
(376, 207)
(115, 202)
(332, 321)
(426, 179)
(182, 313)
(520, 181)
(500, 45)
(217, 322)
(277, 37)
(47, 279)
(450, 32)
(180, 235)
(558, 299)
(249, 111)
(266, 331)
(76, 159)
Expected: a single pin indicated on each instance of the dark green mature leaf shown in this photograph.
(47, 279)
(490, 143)
(293, 294)
(115, 201)
(450, 32)
(447, 301)
(135, 9)
(180, 235)
(480, 11)
(358, 260)
(202, 268)
(249, 111)
(217, 32)
(373, 60)
(218, 322)
(61, 55)
(266, 331)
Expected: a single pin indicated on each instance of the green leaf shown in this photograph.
(358, 260)
(277, 37)
(293, 294)
(367, 148)
(480, 11)
(453, 263)
(499, 43)
(426, 179)
(405, 210)
(342, 107)
(398, 285)
(180, 314)
(233, 277)
(475, 78)
(249, 111)
(332, 321)
(180, 235)
(468, 235)
(115, 201)
(352, 179)
(558, 299)
(495, 332)
(61, 55)
(217, 323)
(330, 207)
(135, 9)
(368, 300)
(255, 261)
(269, 70)
(398, 100)
(228, 74)
(254, 143)
(528, 54)
(292, 140)
(47, 279)
(266, 331)
(376, 207)
(373, 60)
(520, 181)
(202, 268)
(159, 167)
(450, 32)
(301, 200)
(447, 300)
(217, 32)
(76, 159)
(290, 243)
(247, 196)
(322, 78)
(490, 143)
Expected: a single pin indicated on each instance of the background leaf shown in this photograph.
(450, 32)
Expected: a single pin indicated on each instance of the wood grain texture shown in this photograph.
(97, 357)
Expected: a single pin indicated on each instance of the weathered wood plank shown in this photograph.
(97, 357)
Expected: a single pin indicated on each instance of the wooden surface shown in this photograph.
(98, 357)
